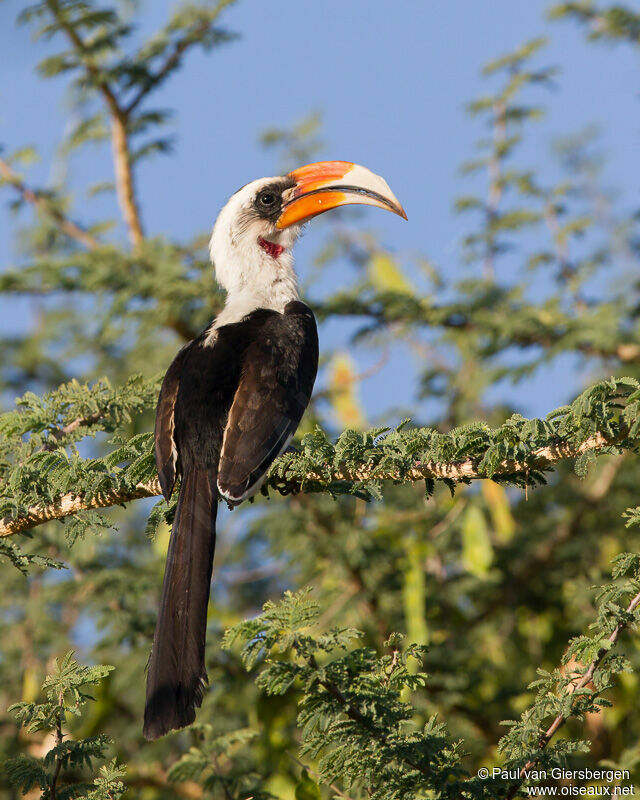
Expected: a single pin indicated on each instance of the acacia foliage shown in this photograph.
(486, 584)
(66, 694)
(43, 468)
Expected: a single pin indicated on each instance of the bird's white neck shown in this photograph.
(255, 275)
(273, 289)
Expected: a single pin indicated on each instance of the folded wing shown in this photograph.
(278, 373)
(165, 445)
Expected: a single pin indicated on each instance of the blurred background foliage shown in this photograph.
(493, 581)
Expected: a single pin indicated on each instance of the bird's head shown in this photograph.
(254, 234)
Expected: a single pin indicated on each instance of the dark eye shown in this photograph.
(267, 199)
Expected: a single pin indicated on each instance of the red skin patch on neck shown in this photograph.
(272, 248)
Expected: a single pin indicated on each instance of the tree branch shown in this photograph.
(74, 231)
(124, 178)
(468, 469)
(125, 187)
(559, 721)
(58, 434)
(169, 65)
(67, 226)
(69, 504)
(356, 716)
(409, 310)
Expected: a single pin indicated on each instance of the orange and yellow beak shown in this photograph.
(328, 184)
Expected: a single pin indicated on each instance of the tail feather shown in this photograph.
(177, 674)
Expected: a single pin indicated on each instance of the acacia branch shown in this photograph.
(171, 62)
(67, 226)
(125, 187)
(457, 317)
(468, 469)
(356, 716)
(69, 504)
(56, 435)
(124, 178)
(559, 721)
(76, 232)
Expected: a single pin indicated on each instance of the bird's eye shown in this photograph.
(267, 199)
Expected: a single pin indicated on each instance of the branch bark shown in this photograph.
(67, 226)
(125, 187)
(57, 435)
(542, 458)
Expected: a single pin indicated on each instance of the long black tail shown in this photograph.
(177, 673)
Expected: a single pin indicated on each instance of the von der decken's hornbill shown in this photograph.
(231, 401)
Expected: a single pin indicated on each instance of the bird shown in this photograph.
(231, 401)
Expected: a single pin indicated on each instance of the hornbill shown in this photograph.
(231, 401)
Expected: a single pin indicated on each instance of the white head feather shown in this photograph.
(252, 277)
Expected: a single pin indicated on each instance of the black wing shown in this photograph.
(165, 445)
(278, 372)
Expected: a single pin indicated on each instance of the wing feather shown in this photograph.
(278, 373)
(166, 450)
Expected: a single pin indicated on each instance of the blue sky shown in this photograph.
(391, 81)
